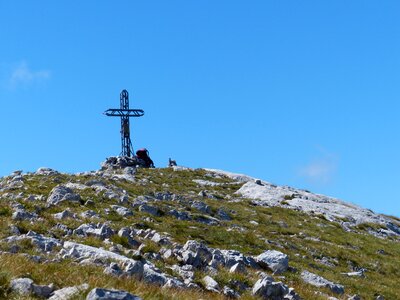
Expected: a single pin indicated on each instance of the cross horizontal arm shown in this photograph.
(124, 112)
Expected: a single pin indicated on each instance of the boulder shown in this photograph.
(102, 231)
(22, 286)
(186, 272)
(64, 214)
(113, 269)
(153, 276)
(43, 243)
(267, 288)
(134, 268)
(274, 260)
(319, 281)
(90, 214)
(22, 215)
(230, 293)
(122, 211)
(105, 294)
(42, 291)
(238, 268)
(152, 210)
(68, 292)
(232, 257)
(121, 162)
(223, 215)
(202, 207)
(180, 215)
(174, 283)
(46, 171)
(210, 284)
(62, 193)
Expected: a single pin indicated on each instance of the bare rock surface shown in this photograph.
(266, 194)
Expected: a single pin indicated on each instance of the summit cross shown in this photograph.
(125, 113)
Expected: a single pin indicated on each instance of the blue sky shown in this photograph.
(300, 93)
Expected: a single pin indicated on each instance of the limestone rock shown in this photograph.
(180, 215)
(46, 171)
(22, 286)
(122, 211)
(153, 276)
(228, 292)
(277, 261)
(210, 284)
(64, 214)
(113, 269)
(238, 268)
(68, 292)
(267, 288)
(134, 268)
(152, 210)
(120, 162)
(105, 294)
(202, 207)
(42, 291)
(62, 193)
(21, 215)
(102, 231)
(43, 243)
(319, 281)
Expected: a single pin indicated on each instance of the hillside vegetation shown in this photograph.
(149, 215)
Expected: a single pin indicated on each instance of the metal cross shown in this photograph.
(125, 113)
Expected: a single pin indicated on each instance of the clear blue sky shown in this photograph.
(300, 93)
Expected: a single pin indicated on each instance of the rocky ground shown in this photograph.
(124, 232)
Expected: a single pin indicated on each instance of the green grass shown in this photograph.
(305, 238)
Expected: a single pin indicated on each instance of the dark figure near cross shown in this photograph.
(125, 113)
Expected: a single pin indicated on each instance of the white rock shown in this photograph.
(62, 193)
(210, 284)
(64, 214)
(22, 286)
(68, 292)
(319, 281)
(277, 261)
(238, 268)
(332, 209)
(105, 294)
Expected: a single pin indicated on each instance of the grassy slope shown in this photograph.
(304, 238)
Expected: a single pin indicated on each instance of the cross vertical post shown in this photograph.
(125, 113)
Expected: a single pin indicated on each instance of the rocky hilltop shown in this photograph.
(125, 232)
